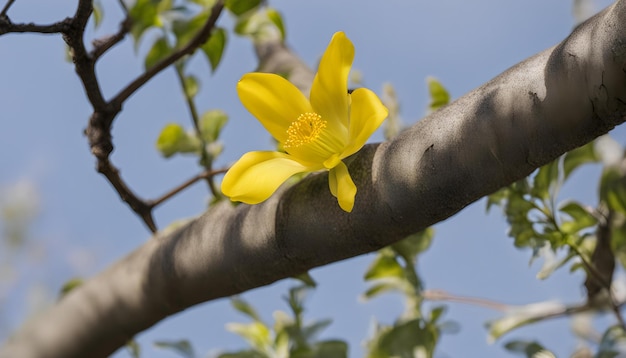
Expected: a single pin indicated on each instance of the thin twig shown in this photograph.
(100, 46)
(197, 41)
(204, 175)
(6, 7)
(440, 295)
(7, 27)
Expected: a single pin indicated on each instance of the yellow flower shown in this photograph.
(316, 134)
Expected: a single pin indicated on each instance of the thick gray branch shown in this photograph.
(529, 115)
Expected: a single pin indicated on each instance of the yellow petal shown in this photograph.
(342, 186)
(367, 113)
(329, 92)
(273, 100)
(257, 175)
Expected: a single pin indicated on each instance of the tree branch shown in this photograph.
(499, 133)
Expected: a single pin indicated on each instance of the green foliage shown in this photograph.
(70, 285)
(439, 96)
(414, 334)
(529, 349)
(173, 139)
(240, 7)
(133, 348)
(289, 336)
(182, 347)
(160, 50)
(97, 13)
(214, 47)
(211, 124)
(613, 343)
(536, 220)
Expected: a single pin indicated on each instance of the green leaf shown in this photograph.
(577, 157)
(211, 124)
(160, 49)
(521, 316)
(185, 29)
(182, 347)
(277, 20)
(191, 86)
(310, 332)
(545, 177)
(439, 96)
(529, 349)
(330, 349)
(97, 13)
(173, 139)
(255, 333)
(436, 313)
(240, 7)
(613, 189)
(133, 348)
(612, 343)
(70, 285)
(245, 308)
(307, 280)
(582, 218)
(144, 14)
(388, 285)
(243, 354)
(384, 266)
(214, 47)
(414, 244)
(404, 339)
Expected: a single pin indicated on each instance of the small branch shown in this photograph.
(440, 295)
(100, 46)
(204, 175)
(6, 26)
(198, 40)
(139, 206)
(6, 7)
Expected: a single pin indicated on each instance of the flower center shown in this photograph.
(306, 129)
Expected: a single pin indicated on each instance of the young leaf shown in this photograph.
(97, 13)
(211, 124)
(240, 7)
(173, 139)
(214, 47)
(582, 218)
(544, 179)
(245, 308)
(182, 347)
(145, 15)
(255, 333)
(384, 266)
(160, 49)
(191, 86)
(529, 349)
(330, 349)
(70, 285)
(414, 244)
(577, 157)
(439, 96)
(277, 20)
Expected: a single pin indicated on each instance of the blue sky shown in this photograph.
(83, 227)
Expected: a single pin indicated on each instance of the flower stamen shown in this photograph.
(306, 129)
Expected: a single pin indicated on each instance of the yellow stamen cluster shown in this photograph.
(306, 129)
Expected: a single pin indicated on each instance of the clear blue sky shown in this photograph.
(83, 227)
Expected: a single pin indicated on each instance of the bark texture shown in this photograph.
(553, 102)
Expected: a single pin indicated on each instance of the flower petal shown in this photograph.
(257, 175)
(342, 187)
(367, 113)
(329, 92)
(273, 100)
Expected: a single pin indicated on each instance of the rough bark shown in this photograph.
(553, 102)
